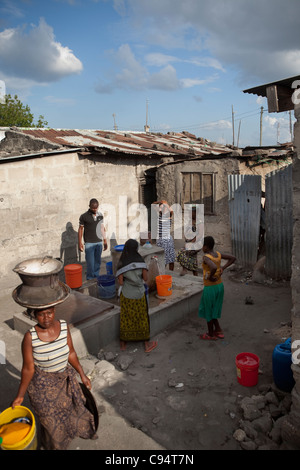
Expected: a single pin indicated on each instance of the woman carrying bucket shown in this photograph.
(49, 377)
(132, 272)
(211, 302)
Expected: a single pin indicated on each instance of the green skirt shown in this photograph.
(134, 319)
(211, 302)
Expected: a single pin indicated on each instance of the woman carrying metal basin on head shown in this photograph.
(49, 371)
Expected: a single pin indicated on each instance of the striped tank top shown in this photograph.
(51, 356)
(164, 226)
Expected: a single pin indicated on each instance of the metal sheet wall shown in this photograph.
(244, 193)
(279, 223)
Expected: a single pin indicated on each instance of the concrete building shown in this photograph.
(48, 177)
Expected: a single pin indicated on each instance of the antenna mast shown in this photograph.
(115, 125)
(146, 127)
(232, 126)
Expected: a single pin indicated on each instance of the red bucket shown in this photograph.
(73, 275)
(247, 369)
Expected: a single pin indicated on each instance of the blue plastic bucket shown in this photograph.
(119, 247)
(109, 268)
(281, 364)
(106, 286)
(146, 292)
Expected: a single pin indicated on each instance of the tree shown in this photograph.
(14, 113)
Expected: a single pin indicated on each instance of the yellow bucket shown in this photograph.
(30, 441)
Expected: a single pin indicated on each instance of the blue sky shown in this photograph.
(79, 62)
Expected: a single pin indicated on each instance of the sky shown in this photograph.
(176, 65)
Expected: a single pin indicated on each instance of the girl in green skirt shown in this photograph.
(211, 302)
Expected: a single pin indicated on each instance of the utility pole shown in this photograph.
(238, 139)
(115, 125)
(261, 120)
(232, 126)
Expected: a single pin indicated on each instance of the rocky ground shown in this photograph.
(185, 394)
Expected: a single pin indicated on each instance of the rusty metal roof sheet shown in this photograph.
(180, 146)
(127, 142)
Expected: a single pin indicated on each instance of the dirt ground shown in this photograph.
(185, 393)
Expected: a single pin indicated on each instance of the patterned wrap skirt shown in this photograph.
(187, 259)
(134, 319)
(168, 245)
(211, 302)
(59, 404)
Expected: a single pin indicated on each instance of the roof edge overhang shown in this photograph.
(38, 155)
(279, 94)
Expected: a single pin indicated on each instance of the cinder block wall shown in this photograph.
(41, 200)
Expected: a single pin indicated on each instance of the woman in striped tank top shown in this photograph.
(164, 238)
(49, 377)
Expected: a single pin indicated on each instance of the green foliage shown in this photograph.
(14, 113)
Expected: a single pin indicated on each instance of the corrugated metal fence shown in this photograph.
(279, 223)
(244, 194)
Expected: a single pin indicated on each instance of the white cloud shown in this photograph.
(207, 62)
(36, 56)
(133, 75)
(222, 124)
(62, 101)
(159, 60)
(276, 129)
(260, 39)
(9, 8)
(165, 79)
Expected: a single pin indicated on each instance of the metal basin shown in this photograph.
(41, 286)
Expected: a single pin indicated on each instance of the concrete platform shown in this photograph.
(94, 323)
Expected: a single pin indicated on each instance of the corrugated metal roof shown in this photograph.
(182, 145)
(140, 143)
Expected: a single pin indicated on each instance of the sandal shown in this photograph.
(207, 337)
(219, 334)
(150, 346)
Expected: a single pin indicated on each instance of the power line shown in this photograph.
(239, 116)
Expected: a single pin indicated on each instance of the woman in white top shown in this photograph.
(164, 238)
(49, 377)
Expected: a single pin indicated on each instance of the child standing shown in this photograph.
(134, 319)
(211, 302)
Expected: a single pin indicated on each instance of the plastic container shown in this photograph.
(30, 440)
(109, 268)
(119, 247)
(281, 365)
(106, 286)
(247, 369)
(164, 285)
(73, 275)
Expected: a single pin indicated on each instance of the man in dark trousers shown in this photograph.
(91, 227)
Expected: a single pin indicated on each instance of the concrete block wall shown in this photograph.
(42, 198)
